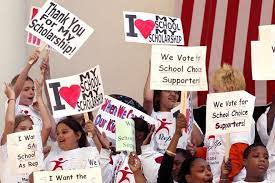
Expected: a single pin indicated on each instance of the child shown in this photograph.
(24, 94)
(150, 160)
(256, 163)
(227, 79)
(17, 124)
(158, 104)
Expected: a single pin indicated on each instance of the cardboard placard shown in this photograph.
(89, 175)
(229, 112)
(152, 29)
(76, 94)
(125, 135)
(59, 28)
(178, 68)
(112, 110)
(25, 152)
(262, 60)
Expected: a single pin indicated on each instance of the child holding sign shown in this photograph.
(17, 124)
(158, 104)
(24, 92)
(227, 79)
(256, 163)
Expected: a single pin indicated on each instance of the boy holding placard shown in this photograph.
(227, 79)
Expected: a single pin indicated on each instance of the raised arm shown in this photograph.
(18, 85)
(45, 116)
(135, 166)
(10, 113)
(165, 171)
(46, 72)
(148, 94)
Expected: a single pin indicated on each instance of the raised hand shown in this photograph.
(134, 162)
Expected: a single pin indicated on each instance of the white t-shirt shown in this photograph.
(150, 162)
(6, 174)
(164, 131)
(262, 127)
(215, 145)
(79, 158)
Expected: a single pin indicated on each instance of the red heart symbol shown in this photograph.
(145, 27)
(70, 95)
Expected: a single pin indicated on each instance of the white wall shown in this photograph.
(124, 66)
(13, 49)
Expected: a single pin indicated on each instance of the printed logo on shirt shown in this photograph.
(58, 164)
(213, 143)
(159, 159)
(163, 124)
(125, 173)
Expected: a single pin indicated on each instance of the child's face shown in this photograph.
(257, 161)
(24, 126)
(67, 139)
(168, 99)
(27, 93)
(200, 172)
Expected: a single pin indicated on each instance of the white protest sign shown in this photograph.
(125, 135)
(229, 112)
(267, 37)
(76, 94)
(178, 68)
(59, 28)
(89, 175)
(152, 29)
(262, 59)
(112, 110)
(25, 151)
(266, 33)
(31, 39)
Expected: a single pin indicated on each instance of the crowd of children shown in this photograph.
(164, 152)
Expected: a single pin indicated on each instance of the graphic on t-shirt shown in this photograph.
(159, 159)
(124, 175)
(58, 164)
(163, 124)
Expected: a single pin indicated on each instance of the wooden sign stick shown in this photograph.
(40, 49)
(183, 99)
(87, 119)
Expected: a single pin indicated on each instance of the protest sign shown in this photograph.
(25, 152)
(112, 110)
(262, 59)
(229, 112)
(178, 68)
(266, 33)
(152, 29)
(125, 135)
(59, 28)
(31, 39)
(76, 94)
(89, 175)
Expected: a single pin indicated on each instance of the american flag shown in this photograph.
(227, 27)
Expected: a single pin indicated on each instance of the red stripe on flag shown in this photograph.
(230, 31)
(206, 39)
(186, 18)
(254, 22)
(271, 84)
